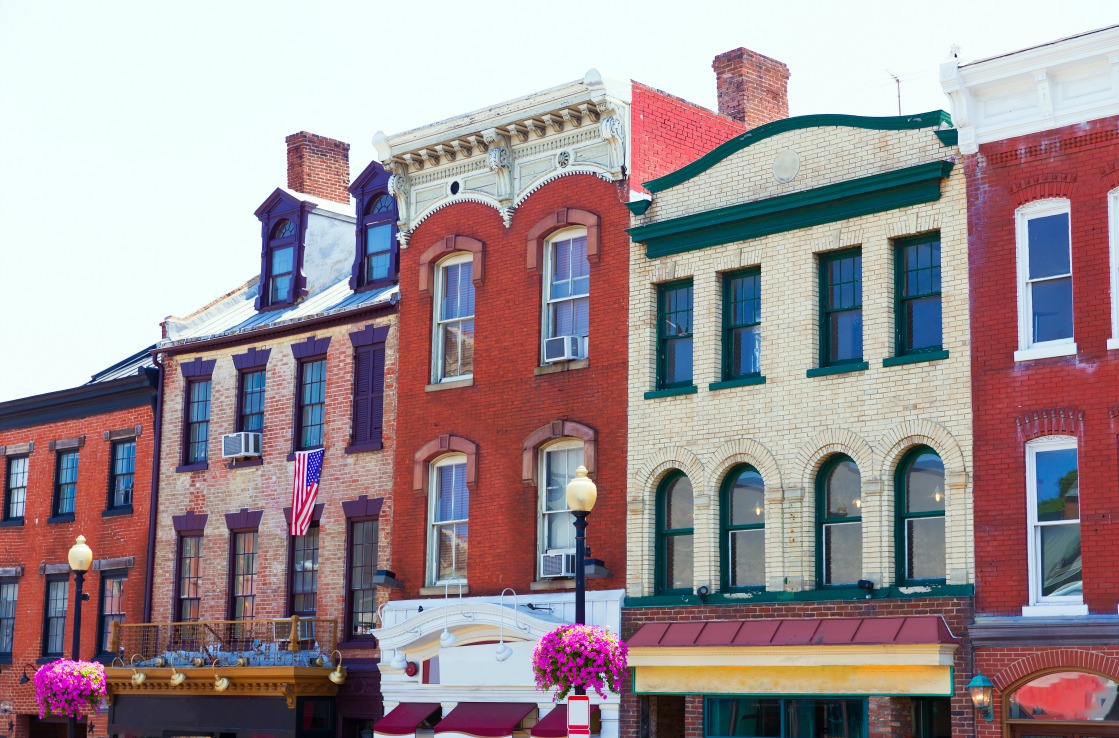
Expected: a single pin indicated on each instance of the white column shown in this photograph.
(608, 712)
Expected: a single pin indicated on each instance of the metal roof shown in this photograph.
(135, 364)
(795, 632)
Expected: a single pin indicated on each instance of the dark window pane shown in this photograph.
(844, 491)
(746, 351)
(675, 334)
(8, 592)
(1052, 309)
(16, 487)
(1049, 246)
(922, 323)
(924, 484)
(744, 716)
(380, 205)
(363, 564)
(678, 361)
(1061, 574)
(747, 499)
(678, 505)
(283, 229)
(66, 490)
(312, 403)
(846, 336)
(378, 244)
(1057, 485)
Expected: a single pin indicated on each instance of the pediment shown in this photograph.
(279, 201)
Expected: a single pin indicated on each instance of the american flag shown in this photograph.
(308, 466)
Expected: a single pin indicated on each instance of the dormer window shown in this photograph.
(285, 219)
(377, 222)
(281, 261)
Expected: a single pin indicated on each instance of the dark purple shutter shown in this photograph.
(369, 393)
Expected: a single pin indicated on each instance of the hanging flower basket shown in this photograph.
(67, 688)
(579, 656)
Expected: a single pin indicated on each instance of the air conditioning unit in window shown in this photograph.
(240, 445)
(556, 564)
(564, 348)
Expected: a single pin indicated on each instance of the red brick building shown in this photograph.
(295, 368)
(75, 462)
(514, 297)
(1040, 131)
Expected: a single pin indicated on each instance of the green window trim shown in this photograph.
(675, 308)
(690, 389)
(727, 527)
(903, 277)
(664, 534)
(744, 382)
(915, 358)
(824, 371)
(851, 305)
(856, 725)
(742, 311)
(822, 520)
(901, 516)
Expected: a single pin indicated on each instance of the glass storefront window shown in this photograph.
(1066, 696)
(768, 717)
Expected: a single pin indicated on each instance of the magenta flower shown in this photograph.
(67, 688)
(579, 656)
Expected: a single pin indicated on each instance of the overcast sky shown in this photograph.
(137, 138)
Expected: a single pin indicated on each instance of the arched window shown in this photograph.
(567, 288)
(920, 510)
(839, 522)
(1066, 697)
(281, 262)
(450, 512)
(675, 534)
(743, 520)
(377, 255)
(454, 319)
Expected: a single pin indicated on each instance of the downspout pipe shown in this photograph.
(153, 506)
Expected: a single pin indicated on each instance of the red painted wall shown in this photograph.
(1081, 163)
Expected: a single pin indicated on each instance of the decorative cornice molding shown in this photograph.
(190, 522)
(1055, 421)
(289, 682)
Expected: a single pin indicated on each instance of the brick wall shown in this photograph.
(319, 166)
(1081, 163)
(753, 88)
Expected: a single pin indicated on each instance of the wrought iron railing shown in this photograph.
(292, 641)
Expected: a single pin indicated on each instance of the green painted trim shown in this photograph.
(931, 119)
(948, 136)
(875, 193)
(915, 358)
(823, 371)
(638, 207)
(691, 389)
(911, 592)
(741, 382)
(901, 337)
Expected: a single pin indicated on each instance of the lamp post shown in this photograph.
(581, 496)
(80, 558)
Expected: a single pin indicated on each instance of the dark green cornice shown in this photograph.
(931, 119)
(876, 193)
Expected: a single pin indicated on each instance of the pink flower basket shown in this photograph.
(68, 688)
(579, 656)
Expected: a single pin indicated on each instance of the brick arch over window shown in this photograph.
(745, 451)
(660, 463)
(1042, 186)
(1049, 421)
(445, 247)
(921, 432)
(551, 432)
(562, 218)
(827, 443)
(1109, 173)
(441, 446)
(1055, 659)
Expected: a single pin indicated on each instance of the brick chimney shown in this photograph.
(319, 166)
(753, 88)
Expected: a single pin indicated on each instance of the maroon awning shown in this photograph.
(795, 632)
(485, 719)
(554, 724)
(405, 718)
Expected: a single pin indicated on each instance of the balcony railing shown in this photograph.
(292, 641)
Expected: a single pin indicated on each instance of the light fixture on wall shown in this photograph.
(220, 683)
(503, 650)
(138, 677)
(177, 677)
(399, 660)
(448, 639)
(982, 696)
(338, 676)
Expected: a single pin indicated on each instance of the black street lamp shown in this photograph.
(80, 558)
(581, 496)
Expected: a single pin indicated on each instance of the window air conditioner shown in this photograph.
(240, 445)
(564, 348)
(556, 564)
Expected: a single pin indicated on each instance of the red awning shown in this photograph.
(554, 724)
(405, 718)
(796, 632)
(485, 719)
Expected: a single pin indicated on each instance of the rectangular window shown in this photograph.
(112, 606)
(122, 473)
(569, 288)
(8, 591)
(917, 294)
(454, 320)
(188, 590)
(242, 575)
(369, 395)
(1053, 490)
(1044, 279)
(250, 416)
(378, 251)
(54, 616)
(305, 578)
(65, 482)
(932, 717)
(450, 512)
(742, 317)
(363, 566)
(560, 464)
(282, 266)
(197, 429)
(311, 410)
(674, 334)
(841, 308)
(771, 717)
(15, 493)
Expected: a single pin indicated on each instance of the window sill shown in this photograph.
(245, 463)
(740, 382)
(1112, 344)
(671, 392)
(12, 523)
(291, 456)
(1045, 352)
(561, 366)
(546, 585)
(452, 384)
(193, 467)
(823, 371)
(915, 358)
(359, 448)
(113, 512)
(1049, 611)
(62, 518)
(438, 590)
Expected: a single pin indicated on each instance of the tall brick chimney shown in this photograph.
(753, 88)
(319, 166)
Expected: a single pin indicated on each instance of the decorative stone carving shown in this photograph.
(500, 161)
(611, 130)
(399, 187)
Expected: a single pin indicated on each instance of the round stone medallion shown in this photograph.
(786, 165)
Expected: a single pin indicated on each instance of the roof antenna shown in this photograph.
(897, 81)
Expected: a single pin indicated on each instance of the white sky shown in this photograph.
(137, 138)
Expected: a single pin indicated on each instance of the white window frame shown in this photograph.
(567, 444)
(546, 302)
(437, 325)
(1113, 232)
(432, 538)
(1047, 605)
(1027, 348)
